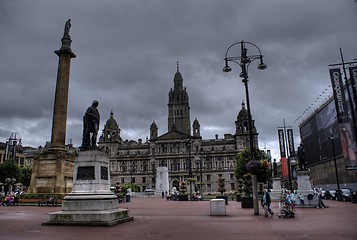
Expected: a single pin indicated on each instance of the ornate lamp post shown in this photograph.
(244, 61)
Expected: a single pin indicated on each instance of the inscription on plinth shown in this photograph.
(85, 173)
(103, 173)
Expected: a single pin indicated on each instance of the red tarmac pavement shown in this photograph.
(157, 218)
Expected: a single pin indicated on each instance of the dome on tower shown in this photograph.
(195, 122)
(111, 122)
(178, 76)
(111, 131)
(178, 80)
(153, 125)
(243, 113)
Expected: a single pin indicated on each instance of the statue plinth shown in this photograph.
(162, 180)
(91, 202)
(275, 193)
(304, 189)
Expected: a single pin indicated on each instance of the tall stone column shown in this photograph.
(59, 122)
(52, 170)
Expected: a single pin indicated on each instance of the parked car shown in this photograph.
(346, 194)
(330, 195)
(149, 192)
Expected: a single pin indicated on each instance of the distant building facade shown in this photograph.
(323, 145)
(7, 152)
(180, 149)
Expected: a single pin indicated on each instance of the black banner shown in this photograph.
(282, 143)
(339, 96)
(291, 142)
(353, 77)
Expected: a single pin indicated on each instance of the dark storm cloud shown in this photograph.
(126, 59)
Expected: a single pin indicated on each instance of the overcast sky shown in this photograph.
(126, 59)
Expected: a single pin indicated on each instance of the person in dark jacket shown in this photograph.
(266, 201)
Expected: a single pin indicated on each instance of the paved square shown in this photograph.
(157, 218)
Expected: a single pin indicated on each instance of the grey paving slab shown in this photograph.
(157, 218)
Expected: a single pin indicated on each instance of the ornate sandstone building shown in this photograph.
(181, 149)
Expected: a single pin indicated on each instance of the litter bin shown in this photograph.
(127, 198)
(354, 197)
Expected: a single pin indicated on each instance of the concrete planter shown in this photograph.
(238, 198)
(247, 202)
(183, 197)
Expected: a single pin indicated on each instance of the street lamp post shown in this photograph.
(189, 145)
(189, 160)
(10, 155)
(338, 192)
(201, 175)
(271, 170)
(287, 152)
(200, 162)
(132, 170)
(244, 61)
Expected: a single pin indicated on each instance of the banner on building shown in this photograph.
(281, 143)
(348, 146)
(291, 143)
(284, 168)
(353, 77)
(339, 95)
(347, 140)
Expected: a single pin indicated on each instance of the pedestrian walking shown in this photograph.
(319, 198)
(266, 201)
(302, 200)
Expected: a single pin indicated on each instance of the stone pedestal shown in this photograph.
(275, 193)
(91, 202)
(52, 172)
(304, 188)
(217, 207)
(162, 180)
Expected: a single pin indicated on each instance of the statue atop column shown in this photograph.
(91, 121)
(67, 27)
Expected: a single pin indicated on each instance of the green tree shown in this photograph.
(221, 185)
(245, 168)
(25, 176)
(8, 169)
(132, 186)
(9, 173)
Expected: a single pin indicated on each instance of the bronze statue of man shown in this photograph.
(91, 121)
(301, 157)
(275, 169)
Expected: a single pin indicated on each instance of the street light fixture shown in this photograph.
(244, 61)
(200, 162)
(338, 192)
(189, 162)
